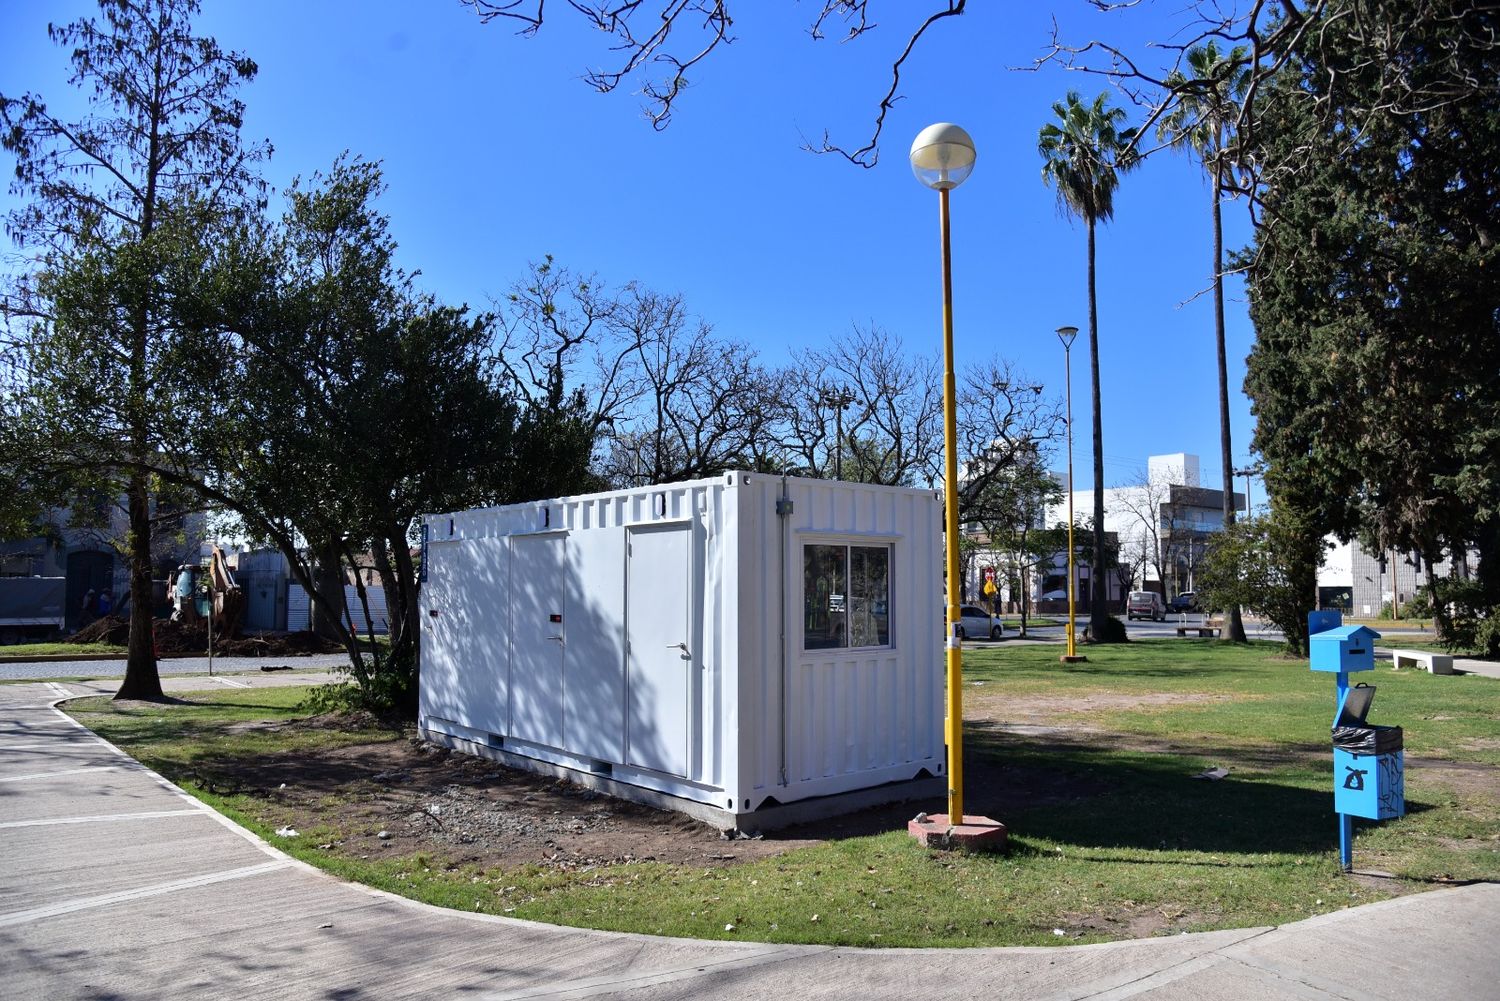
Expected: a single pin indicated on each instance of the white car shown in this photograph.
(975, 623)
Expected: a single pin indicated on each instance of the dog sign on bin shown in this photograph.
(1369, 778)
(1368, 772)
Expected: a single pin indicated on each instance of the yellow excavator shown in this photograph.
(211, 590)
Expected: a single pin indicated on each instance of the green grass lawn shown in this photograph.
(1090, 766)
(29, 651)
(202, 727)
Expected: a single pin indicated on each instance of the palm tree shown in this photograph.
(1203, 121)
(1084, 153)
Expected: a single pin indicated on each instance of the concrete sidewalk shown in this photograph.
(118, 885)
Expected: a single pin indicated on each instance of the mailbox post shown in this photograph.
(1368, 767)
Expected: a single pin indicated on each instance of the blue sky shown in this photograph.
(496, 153)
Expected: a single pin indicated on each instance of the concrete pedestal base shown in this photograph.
(974, 834)
(1077, 659)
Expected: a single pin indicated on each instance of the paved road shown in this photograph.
(117, 885)
(17, 670)
(1255, 629)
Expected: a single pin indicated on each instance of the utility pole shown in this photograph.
(839, 398)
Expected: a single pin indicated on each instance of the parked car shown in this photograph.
(1187, 601)
(975, 623)
(1145, 605)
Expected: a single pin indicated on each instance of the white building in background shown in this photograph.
(1362, 583)
(1163, 524)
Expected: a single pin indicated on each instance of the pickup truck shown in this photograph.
(1187, 601)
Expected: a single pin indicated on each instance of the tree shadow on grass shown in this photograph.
(1078, 790)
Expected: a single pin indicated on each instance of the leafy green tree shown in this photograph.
(1374, 286)
(1203, 120)
(115, 203)
(360, 405)
(1269, 564)
(1084, 153)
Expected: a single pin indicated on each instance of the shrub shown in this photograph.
(1114, 632)
(1466, 617)
(1420, 605)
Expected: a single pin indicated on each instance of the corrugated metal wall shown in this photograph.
(599, 720)
(299, 608)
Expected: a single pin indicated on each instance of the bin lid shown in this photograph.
(1356, 705)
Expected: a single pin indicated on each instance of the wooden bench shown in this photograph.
(1436, 663)
(1208, 627)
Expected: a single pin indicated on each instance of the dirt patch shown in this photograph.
(192, 637)
(1130, 921)
(1462, 778)
(468, 810)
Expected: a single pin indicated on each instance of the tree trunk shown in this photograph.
(1025, 598)
(1098, 609)
(406, 580)
(396, 597)
(1234, 627)
(328, 578)
(141, 679)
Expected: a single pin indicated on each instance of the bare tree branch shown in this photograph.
(869, 154)
(636, 52)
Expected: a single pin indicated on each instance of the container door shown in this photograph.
(466, 633)
(538, 599)
(658, 584)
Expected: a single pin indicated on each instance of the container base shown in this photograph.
(767, 818)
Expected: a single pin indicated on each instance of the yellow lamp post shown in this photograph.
(942, 157)
(1066, 335)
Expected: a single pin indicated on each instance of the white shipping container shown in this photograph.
(688, 640)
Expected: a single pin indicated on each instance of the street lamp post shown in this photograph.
(1247, 472)
(942, 157)
(1066, 335)
(838, 399)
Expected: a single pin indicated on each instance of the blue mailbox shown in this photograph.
(1369, 779)
(1343, 649)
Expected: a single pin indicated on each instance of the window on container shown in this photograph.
(846, 592)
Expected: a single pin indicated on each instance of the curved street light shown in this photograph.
(942, 157)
